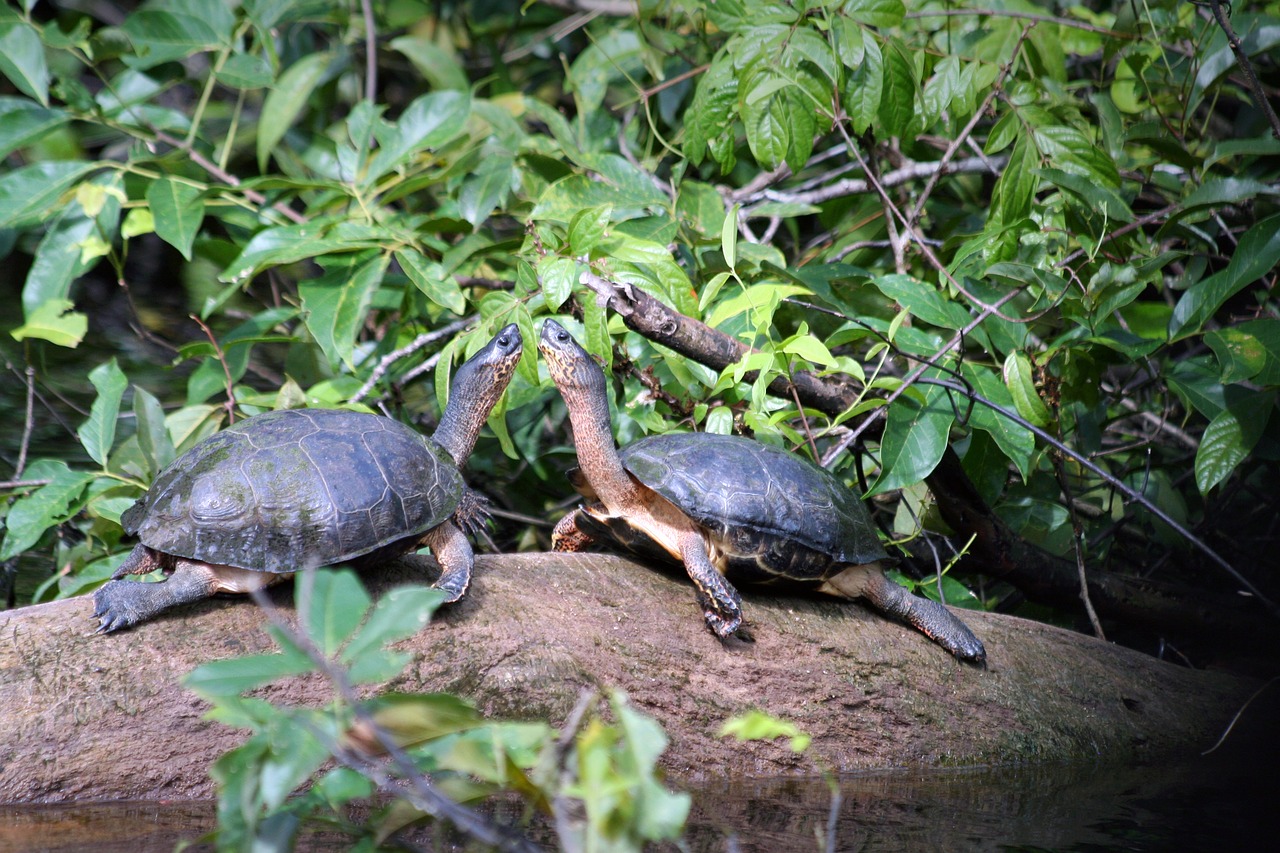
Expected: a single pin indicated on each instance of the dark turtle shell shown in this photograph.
(299, 488)
(772, 513)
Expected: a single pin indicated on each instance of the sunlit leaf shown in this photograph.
(98, 433)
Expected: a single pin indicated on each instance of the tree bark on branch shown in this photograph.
(1169, 609)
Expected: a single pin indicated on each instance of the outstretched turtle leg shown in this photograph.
(120, 603)
(567, 536)
(472, 513)
(928, 617)
(453, 552)
(721, 604)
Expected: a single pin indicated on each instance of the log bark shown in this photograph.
(89, 717)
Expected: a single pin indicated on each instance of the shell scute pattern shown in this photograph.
(286, 490)
(772, 512)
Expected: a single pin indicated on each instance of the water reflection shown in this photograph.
(1217, 804)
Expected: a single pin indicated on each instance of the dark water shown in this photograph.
(1226, 802)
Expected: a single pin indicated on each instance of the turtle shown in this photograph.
(729, 508)
(294, 489)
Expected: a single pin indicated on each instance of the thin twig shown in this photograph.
(1236, 718)
(1242, 59)
(29, 421)
(370, 51)
(408, 349)
(230, 405)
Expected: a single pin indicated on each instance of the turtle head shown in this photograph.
(476, 389)
(572, 368)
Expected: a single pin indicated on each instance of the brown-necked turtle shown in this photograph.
(301, 488)
(728, 508)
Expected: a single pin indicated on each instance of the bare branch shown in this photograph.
(1242, 59)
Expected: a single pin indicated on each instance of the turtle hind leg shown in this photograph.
(121, 603)
(567, 535)
(453, 552)
(926, 616)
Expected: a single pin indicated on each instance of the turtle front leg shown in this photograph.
(473, 512)
(120, 603)
(453, 552)
(567, 536)
(925, 615)
(721, 604)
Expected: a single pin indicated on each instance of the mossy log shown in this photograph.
(93, 717)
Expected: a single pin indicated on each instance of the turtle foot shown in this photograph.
(720, 626)
(473, 512)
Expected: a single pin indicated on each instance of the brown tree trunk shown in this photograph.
(86, 717)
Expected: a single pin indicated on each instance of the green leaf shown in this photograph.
(1094, 195)
(486, 188)
(586, 230)
(660, 814)
(1250, 350)
(441, 68)
(98, 433)
(178, 208)
(231, 677)
(1256, 255)
(558, 275)
(399, 613)
(428, 122)
(153, 436)
(338, 606)
(23, 123)
(34, 193)
(1014, 440)
(769, 122)
(287, 99)
(809, 348)
(31, 515)
(22, 59)
(430, 278)
(915, 436)
(757, 725)
(1015, 189)
(416, 718)
(161, 35)
(54, 321)
(898, 98)
(335, 305)
(729, 237)
(863, 90)
(1022, 388)
(923, 301)
(876, 13)
(1231, 436)
(295, 753)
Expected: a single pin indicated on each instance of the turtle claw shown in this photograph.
(473, 512)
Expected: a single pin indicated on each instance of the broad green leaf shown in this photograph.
(898, 98)
(915, 436)
(876, 13)
(98, 433)
(811, 349)
(161, 35)
(399, 613)
(558, 275)
(1013, 439)
(338, 606)
(231, 677)
(23, 122)
(33, 193)
(153, 436)
(1014, 190)
(769, 122)
(660, 814)
(1022, 388)
(295, 754)
(441, 68)
(586, 230)
(22, 59)
(31, 515)
(486, 188)
(1257, 254)
(1250, 350)
(415, 718)
(287, 244)
(757, 725)
(335, 305)
(863, 90)
(245, 71)
(431, 278)
(56, 322)
(1096, 196)
(729, 237)
(1231, 436)
(178, 208)
(923, 301)
(287, 99)
(428, 122)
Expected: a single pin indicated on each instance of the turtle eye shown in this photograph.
(504, 340)
(562, 336)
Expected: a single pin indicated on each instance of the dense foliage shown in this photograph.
(1035, 240)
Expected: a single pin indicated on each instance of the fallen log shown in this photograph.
(89, 717)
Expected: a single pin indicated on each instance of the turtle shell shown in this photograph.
(299, 488)
(772, 513)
